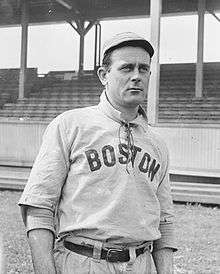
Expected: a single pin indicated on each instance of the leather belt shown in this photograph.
(109, 254)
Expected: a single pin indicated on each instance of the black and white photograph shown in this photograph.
(109, 137)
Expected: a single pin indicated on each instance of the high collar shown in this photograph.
(106, 107)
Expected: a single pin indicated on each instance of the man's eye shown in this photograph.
(144, 69)
(127, 68)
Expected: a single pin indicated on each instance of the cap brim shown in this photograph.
(142, 43)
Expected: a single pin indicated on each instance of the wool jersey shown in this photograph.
(107, 179)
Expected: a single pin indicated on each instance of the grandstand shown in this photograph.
(57, 92)
(9, 84)
(188, 109)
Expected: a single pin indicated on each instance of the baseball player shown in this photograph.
(98, 198)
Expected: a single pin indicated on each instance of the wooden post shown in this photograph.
(154, 85)
(100, 39)
(24, 42)
(81, 52)
(82, 31)
(200, 46)
(95, 47)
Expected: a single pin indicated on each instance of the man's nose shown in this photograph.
(135, 77)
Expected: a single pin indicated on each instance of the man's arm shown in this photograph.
(41, 242)
(166, 245)
(42, 193)
(41, 233)
(163, 259)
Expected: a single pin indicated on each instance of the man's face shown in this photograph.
(128, 77)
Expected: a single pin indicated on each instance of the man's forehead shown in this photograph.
(131, 55)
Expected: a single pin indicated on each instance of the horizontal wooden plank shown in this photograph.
(193, 198)
(16, 178)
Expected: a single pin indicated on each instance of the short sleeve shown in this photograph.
(166, 226)
(49, 170)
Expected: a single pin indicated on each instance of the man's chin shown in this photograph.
(134, 102)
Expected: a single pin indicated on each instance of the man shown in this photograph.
(103, 176)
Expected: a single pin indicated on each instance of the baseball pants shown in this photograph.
(68, 262)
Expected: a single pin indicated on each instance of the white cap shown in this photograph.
(126, 39)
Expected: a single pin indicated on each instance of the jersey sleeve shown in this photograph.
(49, 171)
(40, 218)
(166, 226)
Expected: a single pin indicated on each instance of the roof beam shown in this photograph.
(89, 26)
(73, 14)
(75, 28)
(71, 6)
(212, 13)
(64, 3)
(80, 28)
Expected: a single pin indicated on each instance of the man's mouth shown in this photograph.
(135, 89)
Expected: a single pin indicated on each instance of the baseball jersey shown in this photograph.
(107, 179)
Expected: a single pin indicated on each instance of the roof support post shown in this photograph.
(82, 31)
(97, 46)
(154, 85)
(24, 43)
(81, 52)
(200, 47)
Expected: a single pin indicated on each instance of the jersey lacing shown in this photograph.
(130, 142)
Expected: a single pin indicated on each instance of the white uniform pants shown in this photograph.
(68, 262)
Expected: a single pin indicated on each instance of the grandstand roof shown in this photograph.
(45, 11)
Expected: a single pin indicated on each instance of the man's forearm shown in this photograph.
(41, 242)
(163, 259)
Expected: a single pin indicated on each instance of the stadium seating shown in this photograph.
(8, 85)
(177, 94)
(60, 91)
(9, 81)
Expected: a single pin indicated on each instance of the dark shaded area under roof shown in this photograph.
(45, 11)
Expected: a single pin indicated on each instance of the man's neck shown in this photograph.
(127, 113)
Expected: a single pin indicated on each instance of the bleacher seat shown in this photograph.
(9, 82)
(53, 94)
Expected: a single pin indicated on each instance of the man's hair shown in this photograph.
(107, 60)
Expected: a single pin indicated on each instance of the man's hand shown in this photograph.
(163, 259)
(41, 242)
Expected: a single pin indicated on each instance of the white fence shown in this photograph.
(20, 142)
(192, 147)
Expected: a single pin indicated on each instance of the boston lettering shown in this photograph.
(108, 157)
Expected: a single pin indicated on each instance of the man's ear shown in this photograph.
(102, 74)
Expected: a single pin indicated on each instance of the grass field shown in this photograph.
(197, 227)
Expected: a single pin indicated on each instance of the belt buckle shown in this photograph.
(110, 256)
